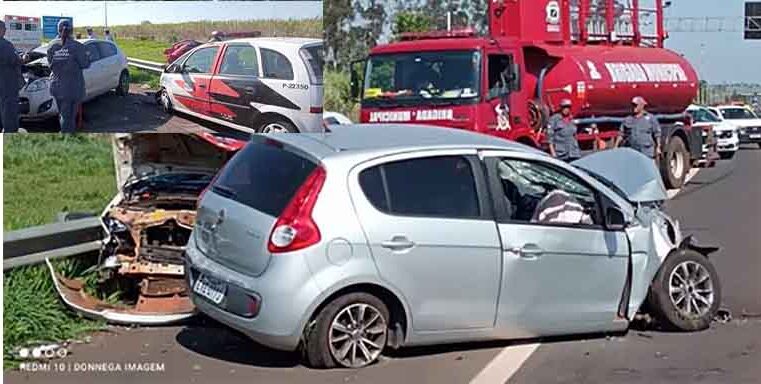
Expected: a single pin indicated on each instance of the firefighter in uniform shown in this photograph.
(562, 134)
(641, 131)
(68, 58)
(10, 83)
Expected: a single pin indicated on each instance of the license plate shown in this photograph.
(211, 290)
(755, 136)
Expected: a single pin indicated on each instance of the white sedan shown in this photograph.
(724, 132)
(107, 71)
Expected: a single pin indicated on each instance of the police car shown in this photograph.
(263, 84)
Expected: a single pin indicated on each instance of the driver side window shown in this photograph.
(201, 60)
(544, 195)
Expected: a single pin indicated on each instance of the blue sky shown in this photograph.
(718, 56)
(133, 12)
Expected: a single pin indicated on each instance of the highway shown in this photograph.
(719, 205)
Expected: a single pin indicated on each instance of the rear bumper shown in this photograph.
(286, 292)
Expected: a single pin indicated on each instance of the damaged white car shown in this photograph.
(147, 226)
(107, 71)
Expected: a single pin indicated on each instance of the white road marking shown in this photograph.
(505, 364)
(509, 360)
(673, 192)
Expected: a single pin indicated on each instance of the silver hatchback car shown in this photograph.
(367, 237)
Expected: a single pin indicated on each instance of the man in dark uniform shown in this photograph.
(10, 83)
(641, 131)
(67, 59)
(562, 134)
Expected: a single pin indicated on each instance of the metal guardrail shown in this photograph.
(33, 245)
(146, 65)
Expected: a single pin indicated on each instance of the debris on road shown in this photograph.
(723, 315)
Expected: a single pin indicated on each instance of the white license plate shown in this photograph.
(755, 136)
(210, 290)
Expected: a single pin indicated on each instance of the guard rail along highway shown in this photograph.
(52, 241)
(146, 65)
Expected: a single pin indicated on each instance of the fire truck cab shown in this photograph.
(508, 82)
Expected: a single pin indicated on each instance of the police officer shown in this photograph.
(90, 33)
(67, 58)
(10, 83)
(562, 134)
(641, 131)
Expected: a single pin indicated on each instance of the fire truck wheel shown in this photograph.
(675, 163)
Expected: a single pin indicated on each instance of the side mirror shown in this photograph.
(515, 83)
(614, 219)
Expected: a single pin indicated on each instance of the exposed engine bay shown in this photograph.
(147, 226)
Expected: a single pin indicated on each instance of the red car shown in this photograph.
(179, 48)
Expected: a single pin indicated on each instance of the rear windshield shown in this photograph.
(263, 176)
(314, 59)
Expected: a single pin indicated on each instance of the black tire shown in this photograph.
(164, 101)
(275, 124)
(759, 145)
(727, 155)
(663, 306)
(122, 89)
(675, 149)
(315, 343)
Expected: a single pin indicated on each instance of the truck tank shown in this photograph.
(602, 80)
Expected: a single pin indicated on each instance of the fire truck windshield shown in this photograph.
(448, 77)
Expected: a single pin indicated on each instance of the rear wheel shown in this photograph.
(686, 292)
(276, 124)
(675, 163)
(351, 332)
(122, 89)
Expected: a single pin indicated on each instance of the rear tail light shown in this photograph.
(295, 229)
(315, 109)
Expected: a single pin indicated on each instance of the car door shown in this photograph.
(94, 74)
(190, 86)
(432, 237)
(110, 63)
(285, 90)
(236, 85)
(563, 271)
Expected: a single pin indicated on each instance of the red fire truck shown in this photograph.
(599, 53)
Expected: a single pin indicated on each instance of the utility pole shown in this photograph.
(105, 11)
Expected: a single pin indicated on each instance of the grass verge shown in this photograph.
(141, 77)
(45, 174)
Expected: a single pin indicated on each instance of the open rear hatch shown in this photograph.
(238, 212)
(147, 226)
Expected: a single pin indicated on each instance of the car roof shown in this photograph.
(299, 41)
(395, 138)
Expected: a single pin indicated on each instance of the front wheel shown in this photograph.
(165, 101)
(686, 292)
(727, 155)
(351, 332)
(675, 163)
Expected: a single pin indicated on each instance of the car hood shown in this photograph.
(138, 155)
(633, 173)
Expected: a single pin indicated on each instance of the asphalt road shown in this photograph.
(136, 112)
(720, 205)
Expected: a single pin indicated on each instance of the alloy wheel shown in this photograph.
(691, 289)
(357, 335)
(274, 128)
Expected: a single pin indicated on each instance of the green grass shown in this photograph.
(45, 174)
(139, 76)
(49, 173)
(150, 50)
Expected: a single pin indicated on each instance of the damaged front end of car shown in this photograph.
(147, 226)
